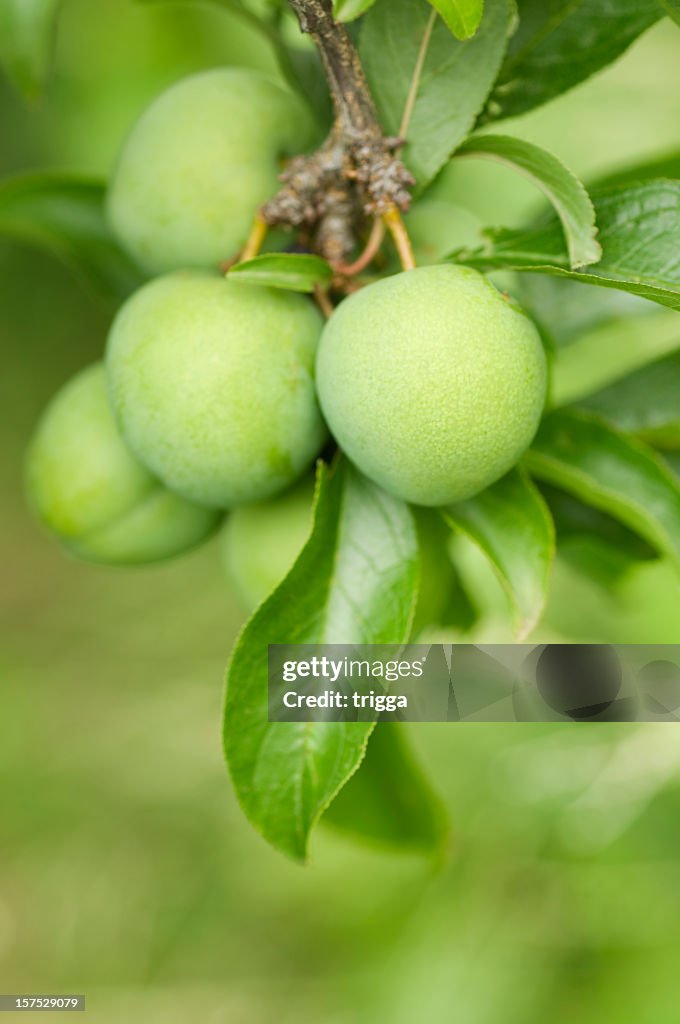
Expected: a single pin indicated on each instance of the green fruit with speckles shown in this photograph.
(261, 542)
(212, 384)
(90, 491)
(432, 382)
(198, 163)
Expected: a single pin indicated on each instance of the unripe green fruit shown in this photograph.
(432, 383)
(89, 490)
(198, 163)
(212, 383)
(261, 542)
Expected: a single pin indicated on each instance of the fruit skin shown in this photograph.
(212, 384)
(432, 383)
(90, 491)
(198, 163)
(260, 542)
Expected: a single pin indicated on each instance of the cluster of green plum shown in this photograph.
(218, 395)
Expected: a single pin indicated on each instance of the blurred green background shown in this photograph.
(127, 870)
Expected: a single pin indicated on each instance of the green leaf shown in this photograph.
(645, 403)
(461, 16)
(511, 525)
(665, 166)
(355, 581)
(564, 190)
(295, 272)
(65, 215)
(348, 10)
(428, 87)
(27, 29)
(610, 351)
(573, 519)
(442, 599)
(582, 454)
(389, 800)
(560, 43)
(671, 8)
(639, 231)
(566, 309)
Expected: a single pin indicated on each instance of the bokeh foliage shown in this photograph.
(127, 869)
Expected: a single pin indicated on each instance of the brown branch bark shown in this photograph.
(355, 174)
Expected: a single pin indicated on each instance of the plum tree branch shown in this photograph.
(356, 173)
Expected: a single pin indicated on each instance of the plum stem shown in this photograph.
(368, 254)
(400, 237)
(323, 301)
(258, 233)
(356, 173)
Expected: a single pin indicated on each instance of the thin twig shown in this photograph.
(355, 174)
(258, 233)
(371, 249)
(400, 237)
(323, 301)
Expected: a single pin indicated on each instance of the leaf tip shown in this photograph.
(590, 254)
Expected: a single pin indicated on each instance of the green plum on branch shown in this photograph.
(432, 382)
(212, 384)
(260, 542)
(90, 491)
(198, 163)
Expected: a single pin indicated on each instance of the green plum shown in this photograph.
(198, 163)
(212, 383)
(90, 491)
(432, 382)
(261, 542)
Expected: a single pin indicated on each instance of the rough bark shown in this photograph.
(355, 174)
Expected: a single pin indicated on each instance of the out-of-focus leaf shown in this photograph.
(355, 581)
(27, 29)
(429, 87)
(566, 309)
(348, 10)
(296, 272)
(563, 189)
(639, 231)
(462, 16)
(666, 166)
(600, 560)
(671, 8)
(582, 454)
(511, 525)
(442, 600)
(645, 403)
(609, 352)
(560, 43)
(66, 216)
(303, 70)
(572, 518)
(389, 800)
(258, 14)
